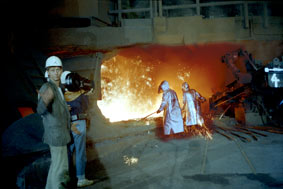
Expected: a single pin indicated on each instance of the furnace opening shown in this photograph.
(130, 78)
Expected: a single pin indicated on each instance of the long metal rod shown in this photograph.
(120, 13)
(160, 8)
(155, 8)
(265, 15)
(151, 8)
(223, 134)
(148, 115)
(198, 7)
(209, 4)
(246, 15)
(129, 10)
(229, 99)
(224, 112)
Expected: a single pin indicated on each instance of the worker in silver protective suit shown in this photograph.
(172, 112)
(192, 106)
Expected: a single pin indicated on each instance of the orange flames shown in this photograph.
(128, 89)
(130, 78)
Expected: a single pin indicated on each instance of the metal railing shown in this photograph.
(156, 8)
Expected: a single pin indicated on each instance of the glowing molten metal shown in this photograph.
(128, 89)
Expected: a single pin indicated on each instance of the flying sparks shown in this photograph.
(128, 89)
(130, 161)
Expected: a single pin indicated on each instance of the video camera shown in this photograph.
(74, 82)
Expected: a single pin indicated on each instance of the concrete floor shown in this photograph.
(140, 159)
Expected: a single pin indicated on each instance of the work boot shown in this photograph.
(84, 182)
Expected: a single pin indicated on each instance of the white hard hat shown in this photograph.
(63, 77)
(53, 61)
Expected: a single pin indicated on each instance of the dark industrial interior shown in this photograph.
(231, 52)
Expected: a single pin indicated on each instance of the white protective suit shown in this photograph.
(172, 111)
(191, 107)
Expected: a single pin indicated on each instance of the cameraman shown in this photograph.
(78, 105)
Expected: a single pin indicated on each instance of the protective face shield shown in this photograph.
(53, 61)
(74, 82)
(185, 87)
(164, 86)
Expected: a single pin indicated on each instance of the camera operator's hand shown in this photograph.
(89, 92)
(75, 129)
